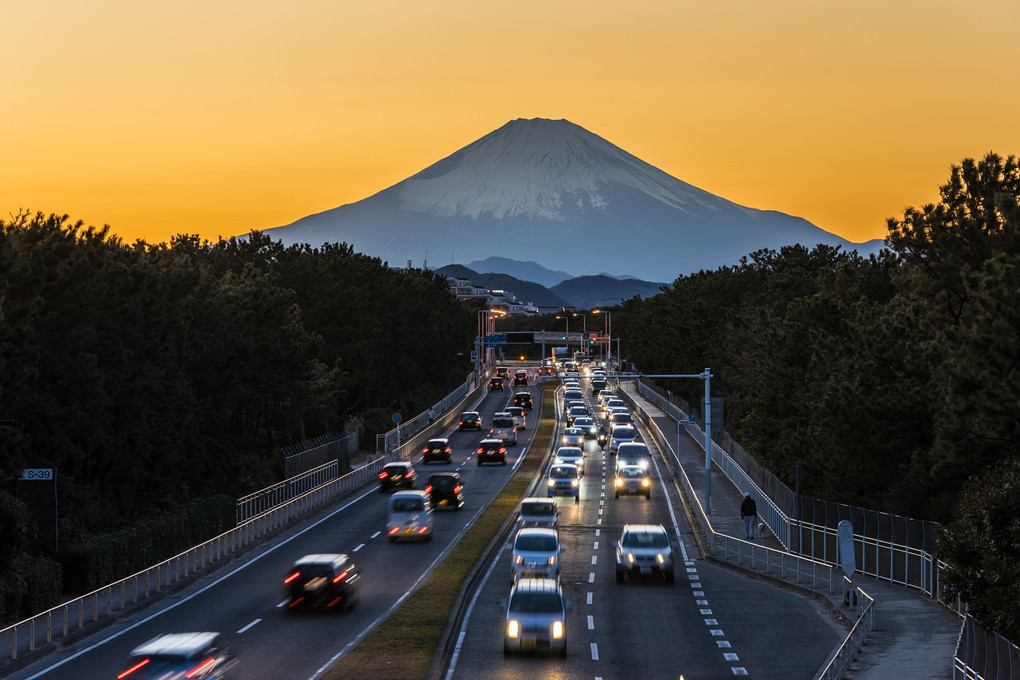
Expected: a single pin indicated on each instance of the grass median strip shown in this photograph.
(403, 646)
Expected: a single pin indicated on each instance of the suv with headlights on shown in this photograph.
(644, 550)
(536, 617)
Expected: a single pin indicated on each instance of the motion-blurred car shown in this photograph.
(570, 455)
(328, 580)
(538, 512)
(564, 480)
(632, 480)
(520, 378)
(633, 453)
(523, 399)
(491, 451)
(496, 384)
(520, 420)
(503, 428)
(445, 490)
(397, 475)
(536, 617)
(572, 436)
(437, 449)
(503, 372)
(644, 550)
(409, 516)
(470, 420)
(536, 553)
(180, 655)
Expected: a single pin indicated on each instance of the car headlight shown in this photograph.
(552, 482)
(619, 482)
(630, 557)
(573, 482)
(513, 628)
(552, 560)
(646, 482)
(557, 630)
(518, 559)
(661, 558)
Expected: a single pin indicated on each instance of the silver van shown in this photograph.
(409, 516)
(503, 428)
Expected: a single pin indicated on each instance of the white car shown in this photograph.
(503, 428)
(572, 436)
(536, 553)
(570, 455)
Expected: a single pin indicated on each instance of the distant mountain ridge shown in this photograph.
(527, 271)
(580, 292)
(564, 197)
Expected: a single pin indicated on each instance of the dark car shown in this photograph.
(491, 451)
(503, 372)
(496, 383)
(180, 655)
(445, 490)
(325, 580)
(437, 449)
(523, 399)
(396, 475)
(521, 377)
(470, 420)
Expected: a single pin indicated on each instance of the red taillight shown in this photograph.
(394, 530)
(340, 577)
(423, 530)
(448, 450)
(480, 451)
(457, 488)
(292, 577)
(492, 430)
(133, 669)
(428, 489)
(296, 602)
(461, 422)
(205, 665)
(502, 449)
(425, 450)
(383, 475)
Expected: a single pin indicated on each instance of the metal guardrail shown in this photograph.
(389, 442)
(72, 618)
(841, 659)
(255, 504)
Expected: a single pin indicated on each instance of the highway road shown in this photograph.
(710, 623)
(246, 601)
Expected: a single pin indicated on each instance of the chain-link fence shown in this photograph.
(315, 452)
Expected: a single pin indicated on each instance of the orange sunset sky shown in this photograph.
(215, 117)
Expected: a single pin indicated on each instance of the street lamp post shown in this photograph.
(567, 318)
(584, 322)
(607, 347)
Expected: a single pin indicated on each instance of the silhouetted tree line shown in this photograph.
(894, 380)
(152, 375)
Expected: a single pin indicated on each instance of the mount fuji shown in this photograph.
(554, 193)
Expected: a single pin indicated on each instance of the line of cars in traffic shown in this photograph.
(536, 609)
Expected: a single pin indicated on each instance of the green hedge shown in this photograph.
(105, 558)
(32, 585)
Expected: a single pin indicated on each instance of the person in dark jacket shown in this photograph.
(748, 511)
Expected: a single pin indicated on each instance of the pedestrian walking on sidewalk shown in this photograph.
(748, 511)
(432, 416)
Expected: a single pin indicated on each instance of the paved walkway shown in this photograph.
(914, 637)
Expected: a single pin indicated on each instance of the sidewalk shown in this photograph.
(914, 637)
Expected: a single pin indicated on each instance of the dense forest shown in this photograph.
(893, 380)
(149, 376)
